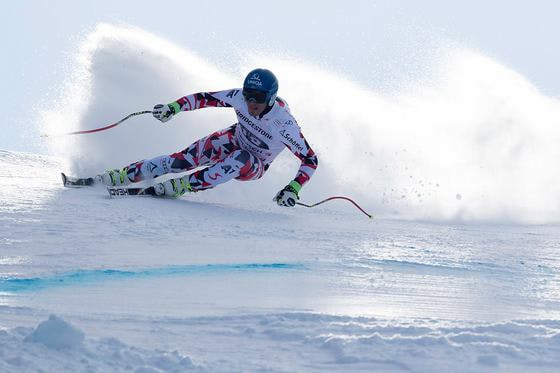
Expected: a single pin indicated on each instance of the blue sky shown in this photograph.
(367, 41)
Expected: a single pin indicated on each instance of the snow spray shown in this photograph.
(476, 142)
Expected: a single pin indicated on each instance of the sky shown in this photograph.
(375, 43)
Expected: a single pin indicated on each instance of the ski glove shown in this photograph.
(289, 195)
(164, 113)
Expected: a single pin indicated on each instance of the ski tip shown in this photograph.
(69, 181)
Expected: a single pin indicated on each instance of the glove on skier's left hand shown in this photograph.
(289, 195)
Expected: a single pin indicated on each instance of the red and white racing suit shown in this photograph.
(243, 151)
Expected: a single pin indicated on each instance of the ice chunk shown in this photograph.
(56, 333)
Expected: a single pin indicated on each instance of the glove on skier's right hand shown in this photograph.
(163, 112)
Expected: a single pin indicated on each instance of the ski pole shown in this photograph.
(336, 197)
(102, 128)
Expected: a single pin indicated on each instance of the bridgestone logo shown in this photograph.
(254, 126)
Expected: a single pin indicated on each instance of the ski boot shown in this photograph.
(174, 187)
(114, 177)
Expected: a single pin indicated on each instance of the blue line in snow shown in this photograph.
(79, 277)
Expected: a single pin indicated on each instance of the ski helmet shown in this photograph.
(260, 86)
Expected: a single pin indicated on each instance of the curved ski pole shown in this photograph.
(336, 197)
(102, 128)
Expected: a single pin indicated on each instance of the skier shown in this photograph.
(243, 151)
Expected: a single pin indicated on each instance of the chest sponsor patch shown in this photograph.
(253, 139)
(243, 119)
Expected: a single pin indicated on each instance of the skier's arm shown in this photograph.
(294, 140)
(201, 100)
(309, 162)
(194, 101)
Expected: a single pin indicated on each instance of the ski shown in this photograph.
(119, 191)
(114, 191)
(69, 181)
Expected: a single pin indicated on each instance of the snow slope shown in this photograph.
(446, 277)
(172, 285)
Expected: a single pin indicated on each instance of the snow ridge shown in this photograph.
(57, 346)
(323, 343)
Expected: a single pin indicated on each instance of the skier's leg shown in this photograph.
(240, 164)
(209, 149)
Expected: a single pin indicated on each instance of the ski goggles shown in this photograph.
(254, 95)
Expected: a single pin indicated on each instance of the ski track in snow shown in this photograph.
(190, 284)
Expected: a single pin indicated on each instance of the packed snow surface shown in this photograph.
(147, 285)
(448, 276)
